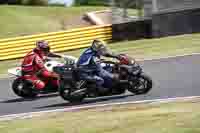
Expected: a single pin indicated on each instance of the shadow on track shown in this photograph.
(29, 99)
(86, 101)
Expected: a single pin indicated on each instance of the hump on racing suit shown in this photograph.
(32, 63)
(87, 58)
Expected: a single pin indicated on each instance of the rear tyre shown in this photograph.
(144, 85)
(23, 89)
(66, 92)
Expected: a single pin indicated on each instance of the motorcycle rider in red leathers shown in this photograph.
(33, 68)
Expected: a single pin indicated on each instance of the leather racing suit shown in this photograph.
(90, 65)
(33, 70)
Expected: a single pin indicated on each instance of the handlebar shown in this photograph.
(108, 62)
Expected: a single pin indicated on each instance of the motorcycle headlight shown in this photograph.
(70, 62)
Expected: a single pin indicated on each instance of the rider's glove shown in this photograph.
(119, 57)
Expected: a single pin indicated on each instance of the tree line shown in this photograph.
(25, 2)
(45, 2)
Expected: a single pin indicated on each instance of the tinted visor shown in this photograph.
(103, 50)
(46, 50)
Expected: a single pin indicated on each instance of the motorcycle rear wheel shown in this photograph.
(22, 89)
(66, 94)
(143, 85)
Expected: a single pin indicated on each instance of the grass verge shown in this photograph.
(26, 20)
(141, 49)
(178, 117)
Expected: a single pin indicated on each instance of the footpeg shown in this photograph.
(78, 92)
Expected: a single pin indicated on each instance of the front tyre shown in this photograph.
(143, 85)
(23, 89)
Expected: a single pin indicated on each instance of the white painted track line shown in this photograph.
(76, 108)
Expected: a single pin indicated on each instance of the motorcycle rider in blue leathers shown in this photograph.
(90, 64)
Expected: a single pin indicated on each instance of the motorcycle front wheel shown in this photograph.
(142, 85)
(23, 89)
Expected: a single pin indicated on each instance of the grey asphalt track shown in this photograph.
(174, 77)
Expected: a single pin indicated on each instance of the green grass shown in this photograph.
(156, 48)
(133, 12)
(179, 117)
(26, 20)
(142, 49)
